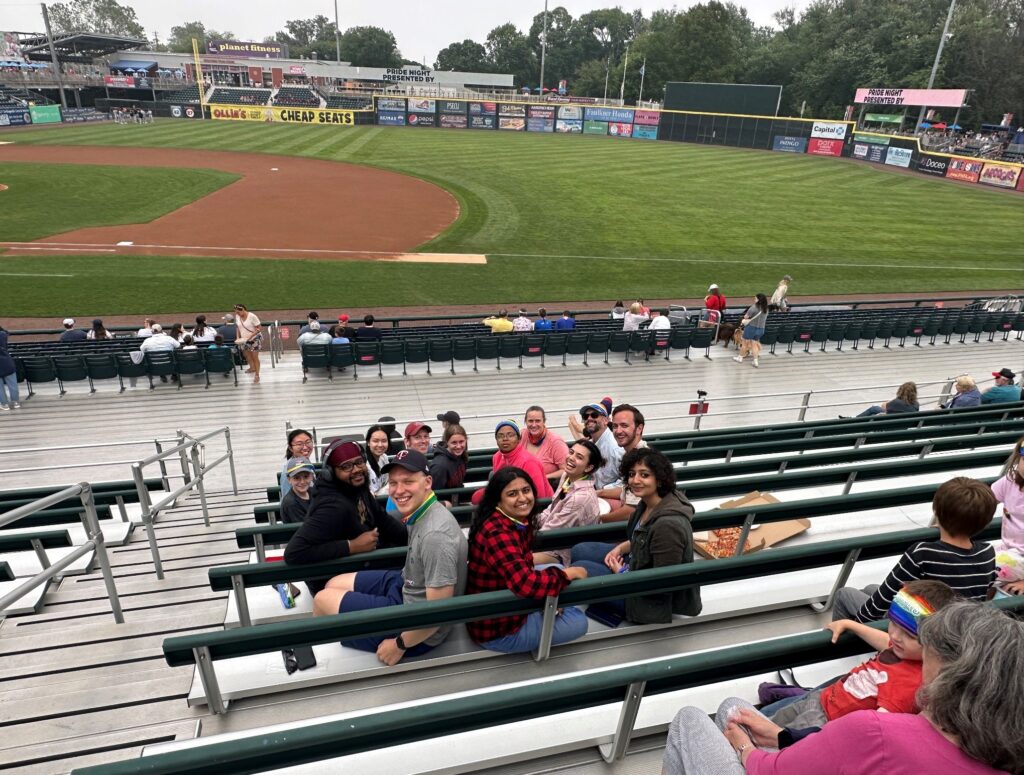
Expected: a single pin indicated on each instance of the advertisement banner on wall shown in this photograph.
(828, 130)
(422, 106)
(45, 114)
(421, 119)
(899, 157)
(570, 112)
(452, 107)
(512, 123)
(449, 121)
(248, 49)
(822, 147)
(82, 115)
(646, 117)
(876, 154)
(569, 126)
(186, 111)
(483, 109)
(124, 81)
(540, 125)
(789, 144)
(542, 111)
(595, 127)
(482, 122)
(300, 116)
(645, 132)
(14, 117)
(296, 69)
(511, 109)
(390, 118)
(875, 139)
(933, 98)
(1020, 183)
(391, 104)
(620, 129)
(933, 165)
(860, 151)
(1002, 175)
(964, 169)
(609, 114)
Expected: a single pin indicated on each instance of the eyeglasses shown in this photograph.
(506, 437)
(590, 415)
(302, 443)
(348, 465)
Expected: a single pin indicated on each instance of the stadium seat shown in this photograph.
(464, 349)
(39, 369)
(189, 362)
(342, 356)
(220, 360)
(416, 352)
(126, 367)
(509, 346)
(597, 345)
(440, 351)
(101, 366)
(392, 353)
(70, 368)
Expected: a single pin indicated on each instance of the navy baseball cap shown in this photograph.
(410, 460)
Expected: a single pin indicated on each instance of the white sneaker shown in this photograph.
(4, 408)
(756, 365)
(17, 405)
(738, 358)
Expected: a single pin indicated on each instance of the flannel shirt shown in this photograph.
(500, 557)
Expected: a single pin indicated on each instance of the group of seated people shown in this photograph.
(317, 332)
(965, 393)
(608, 474)
(523, 323)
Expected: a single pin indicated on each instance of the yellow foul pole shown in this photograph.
(199, 72)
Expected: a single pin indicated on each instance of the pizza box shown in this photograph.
(760, 536)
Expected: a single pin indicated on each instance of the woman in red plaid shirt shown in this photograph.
(500, 557)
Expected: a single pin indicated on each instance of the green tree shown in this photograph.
(465, 57)
(508, 51)
(105, 17)
(180, 39)
(370, 47)
(562, 57)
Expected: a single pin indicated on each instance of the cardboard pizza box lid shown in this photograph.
(761, 536)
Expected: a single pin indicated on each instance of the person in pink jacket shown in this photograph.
(1010, 550)
(575, 501)
(510, 453)
(970, 720)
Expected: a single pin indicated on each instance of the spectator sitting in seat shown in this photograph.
(500, 538)
(715, 300)
(969, 722)
(369, 332)
(864, 688)
(500, 324)
(98, 332)
(448, 466)
(313, 315)
(448, 418)
(395, 441)
(967, 393)
(417, 437)
(344, 518)
(962, 508)
(1010, 550)
(435, 565)
(543, 443)
(522, 323)
(575, 502)
(595, 428)
(660, 322)
(147, 328)
(228, 331)
(618, 311)
(314, 335)
(905, 401)
(511, 454)
(177, 332)
(344, 329)
(1004, 391)
(218, 341)
(542, 323)
(72, 334)
(300, 444)
(337, 336)
(188, 343)
(377, 442)
(203, 333)
(631, 320)
(565, 323)
(295, 504)
(627, 428)
(159, 341)
(660, 534)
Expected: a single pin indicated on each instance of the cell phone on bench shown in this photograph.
(298, 658)
(604, 614)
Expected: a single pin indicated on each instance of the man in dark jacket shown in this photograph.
(344, 518)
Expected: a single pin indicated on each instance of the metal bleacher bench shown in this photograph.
(544, 704)
(246, 673)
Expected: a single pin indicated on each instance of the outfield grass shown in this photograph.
(583, 218)
(45, 199)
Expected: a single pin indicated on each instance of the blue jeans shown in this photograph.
(771, 707)
(871, 410)
(376, 589)
(591, 551)
(595, 569)
(11, 383)
(569, 625)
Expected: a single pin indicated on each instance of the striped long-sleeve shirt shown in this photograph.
(970, 572)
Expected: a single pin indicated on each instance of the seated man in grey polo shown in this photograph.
(435, 566)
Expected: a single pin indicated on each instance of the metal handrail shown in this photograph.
(89, 464)
(94, 541)
(194, 470)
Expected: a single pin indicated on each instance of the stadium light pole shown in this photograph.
(938, 56)
(543, 47)
(337, 34)
(53, 57)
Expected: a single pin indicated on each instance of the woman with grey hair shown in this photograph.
(967, 393)
(971, 720)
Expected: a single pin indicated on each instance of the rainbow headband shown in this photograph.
(908, 610)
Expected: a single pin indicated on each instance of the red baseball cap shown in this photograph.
(415, 427)
(343, 318)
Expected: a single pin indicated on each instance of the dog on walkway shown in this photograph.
(730, 332)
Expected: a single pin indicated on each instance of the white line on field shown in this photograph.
(15, 274)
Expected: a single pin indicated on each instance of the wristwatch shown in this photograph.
(742, 748)
(400, 643)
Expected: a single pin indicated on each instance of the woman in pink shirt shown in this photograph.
(544, 444)
(1010, 550)
(970, 720)
(575, 501)
(511, 453)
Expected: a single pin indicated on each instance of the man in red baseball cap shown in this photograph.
(417, 437)
(1004, 391)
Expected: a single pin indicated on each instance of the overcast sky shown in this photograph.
(421, 28)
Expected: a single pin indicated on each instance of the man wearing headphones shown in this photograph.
(435, 566)
(344, 518)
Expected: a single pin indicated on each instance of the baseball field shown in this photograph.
(110, 219)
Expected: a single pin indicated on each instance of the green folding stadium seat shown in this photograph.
(533, 346)
(440, 351)
(342, 356)
(554, 346)
(368, 354)
(189, 362)
(464, 349)
(316, 356)
(598, 345)
(681, 340)
(618, 342)
(576, 344)
(159, 364)
(70, 368)
(510, 346)
(220, 360)
(101, 367)
(703, 337)
(126, 367)
(39, 369)
(416, 351)
(392, 353)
